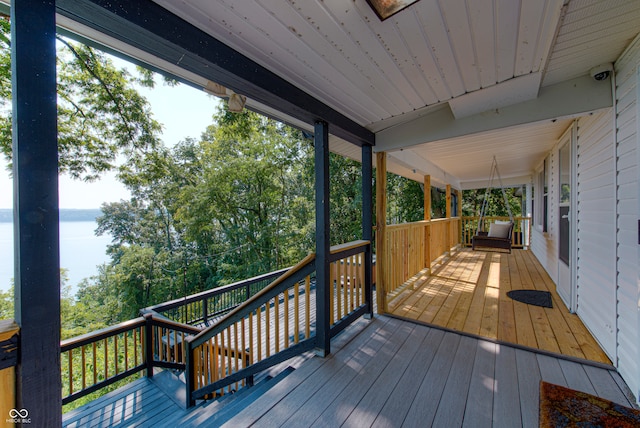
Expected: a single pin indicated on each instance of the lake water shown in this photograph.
(80, 251)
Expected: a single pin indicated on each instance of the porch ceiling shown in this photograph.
(449, 82)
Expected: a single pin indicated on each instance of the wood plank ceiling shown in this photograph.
(474, 55)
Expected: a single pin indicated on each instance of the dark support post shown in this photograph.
(367, 224)
(35, 214)
(148, 343)
(323, 328)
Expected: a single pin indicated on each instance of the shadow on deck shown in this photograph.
(382, 373)
(469, 294)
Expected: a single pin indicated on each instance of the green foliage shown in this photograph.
(100, 114)
(473, 199)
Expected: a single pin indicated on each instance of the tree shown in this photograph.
(100, 114)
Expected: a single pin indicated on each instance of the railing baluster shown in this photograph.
(276, 318)
(296, 315)
(95, 365)
(84, 368)
(267, 327)
(115, 352)
(259, 332)
(286, 319)
(106, 359)
(345, 286)
(332, 293)
(126, 351)
(236, 349)
(307, 292)
(70, 354)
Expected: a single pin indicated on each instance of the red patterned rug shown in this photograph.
(564, 407)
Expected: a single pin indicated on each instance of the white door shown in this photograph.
(565, 281)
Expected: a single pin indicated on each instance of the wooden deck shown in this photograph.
(381, 373)
(469, 294)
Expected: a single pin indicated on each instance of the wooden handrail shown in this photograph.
(172, 304)
(257, 298)
(262, 326)
(126, 349)
(8, 359)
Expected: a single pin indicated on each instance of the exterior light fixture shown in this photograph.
(236, 103)
(386, 8)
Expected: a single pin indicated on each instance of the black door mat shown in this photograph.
(532, 297)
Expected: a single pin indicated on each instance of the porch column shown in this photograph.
(427, 197)
(528, 213)
(367, 223)
(448, 215)
(35, 212)
(427, 217)
(459, 215)
(381, 230)
(323, 327)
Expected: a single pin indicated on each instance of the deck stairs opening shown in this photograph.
(160, 402)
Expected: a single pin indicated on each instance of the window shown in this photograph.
(541, 192)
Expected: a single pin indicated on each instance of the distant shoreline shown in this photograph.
(66, 214)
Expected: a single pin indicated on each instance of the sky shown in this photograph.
(184, 112)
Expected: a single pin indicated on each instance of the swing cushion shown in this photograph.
(499, 230)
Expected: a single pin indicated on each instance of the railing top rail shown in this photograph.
(93, 336)
(422, 222)
(214, 291)
(8, 328)
(162, 321)
(497, 217)
(348, 246)
(256, 298)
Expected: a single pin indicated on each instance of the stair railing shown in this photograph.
(250, 339)
(100, 358)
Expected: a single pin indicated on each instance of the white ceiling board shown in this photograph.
(518, 151)
(396, 77)
(513, 91)
(592, 32)
(369, 70)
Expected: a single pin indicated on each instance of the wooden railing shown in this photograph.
(412, 247)
(275, 324)
(521, 232)
(201, 308)
(8, 360)
(95, 360)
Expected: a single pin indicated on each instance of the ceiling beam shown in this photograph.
(145, 25)
(506, 182)
(563, 100)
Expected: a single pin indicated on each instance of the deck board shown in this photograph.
(425, 403)
(382, 373)
(469, 294)
(529, 387)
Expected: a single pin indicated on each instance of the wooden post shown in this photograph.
(427, 197)
(381, 230)
(448, 215)
(459, 214)
(36, 214)
(8, 360)
(427, 217)
(367, 224)
(323, 321)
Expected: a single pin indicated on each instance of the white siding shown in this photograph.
(544, 245)
(628, 339)
(596, 233)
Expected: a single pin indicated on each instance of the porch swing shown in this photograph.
(500, 233)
